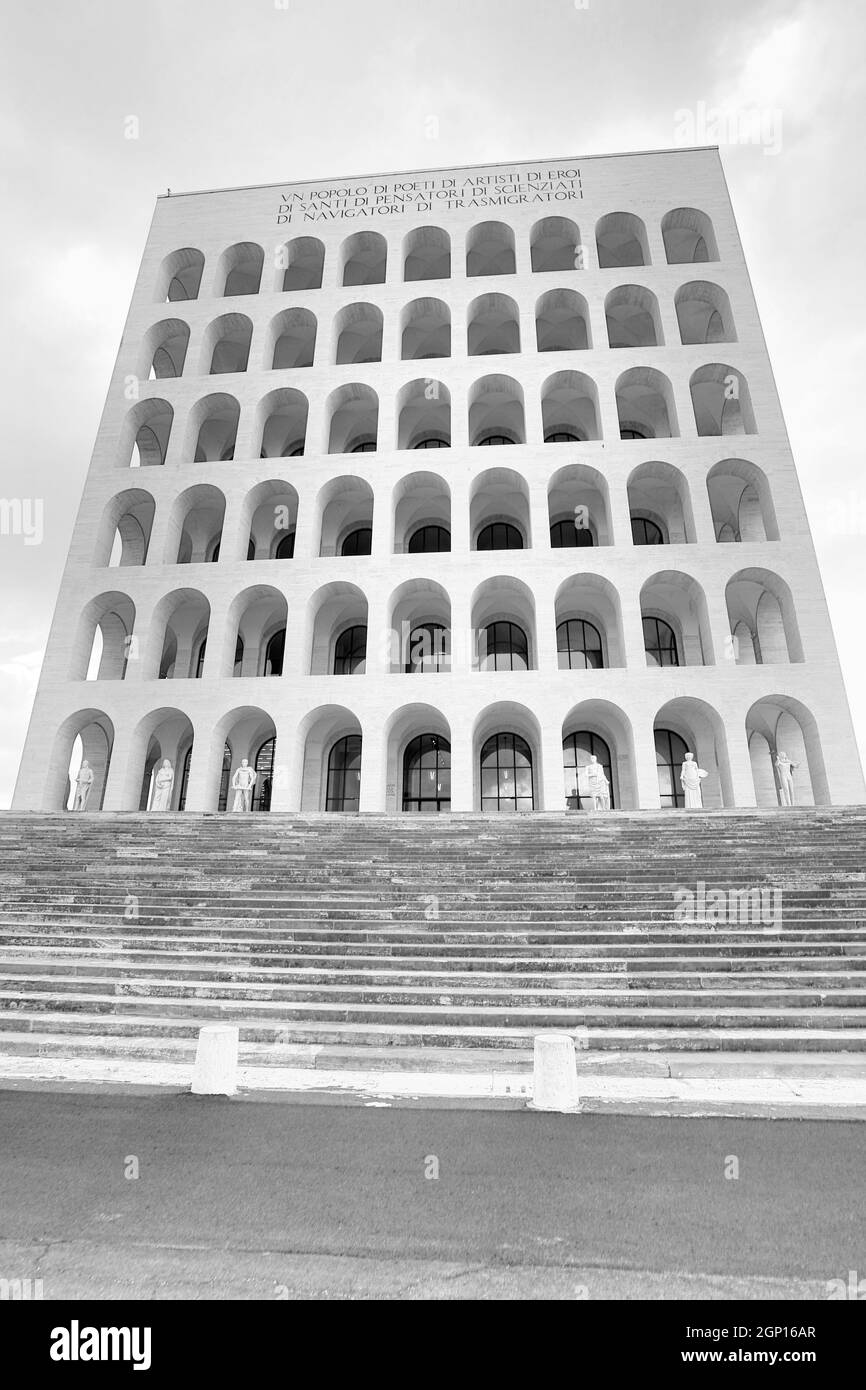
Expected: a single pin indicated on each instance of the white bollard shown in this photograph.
(216, 1061)
(554, 1073)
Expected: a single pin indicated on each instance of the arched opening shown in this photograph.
(704, 314)
(490, 250)
(555, 245)
(291, 340)
(160, 743)
(345, 509)
(164, 350)
(358, 334)
(420, 626)
(496, 411)
(562, 322)
(422, 514)
(226, 346)
(499, 514)
(270, 517)
(244, 734)
(257, 620)
(578, 507)
(86, 736)
(598, 729)
(503, 621)
(179, 276)
(675, 621)
(334, 610)
(506, 771)
(632, 316)
(721, 400)
(145, 434)
(762, 618)
(660, 506)
(427, 254)
(621, 240)
(301, 263)
(686, 724)
(427, 775)
(688, 237)
(320, 732)
(580, 751)
(424, 415)
(645, 405)
(124, 532)
(569, 408)
(240, 269)
(588, 617)
(344, 775)
(741, 502)
(350, 651)
(352, 412)
(178, 632)
(425, 330)
(786, 755)
(213, 428)
(493, 326)
(364, 259)
(281, 423)
(195, 527)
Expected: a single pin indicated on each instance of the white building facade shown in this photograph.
(324, 532)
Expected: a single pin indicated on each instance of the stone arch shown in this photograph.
(212, 429)
(701, 728)
(490, 249)
(562, 322)
(145, 434)
(590, 598)
(780, 723)
(427, 254)
(425, 330)
(609, 722)
(688, 237)
(493, 326)
(363, 259)
(633, 319)
(358, 334)
(281, 423)
(508, 717)
(419, 499)
(179, 276)
(318, 732)
(88, 733)
(496, 410)
(741, 502)
(763, 602)
(124, 531)
(290, 340)
(240, 269)
(660, 493)
(555, 245)
(645, 405)
(621, 240)
(419, 621)
(678, 600)
(721, 400)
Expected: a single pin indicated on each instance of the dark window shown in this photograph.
(427, 775)
(577, 751)
(239, 657)
(199, 662)
(358, 542)
(496, 439)
(367, 446)
(432, 444)
(503, 647)
(645, 532)
(350, 652)
(286, 548)
(429, 539)
(660, 643)
(215, 553)
(578, 646)
(264, 766)
(562, 437)
(670, 756)
(564, 534)
(274, 654)
(499, 535)
(629, 433)
(344, 775)
(225, 778)
(251, 549)
(428, 648)
(184, 780)
(506, 774)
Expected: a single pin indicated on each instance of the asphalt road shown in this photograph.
(261, 1200)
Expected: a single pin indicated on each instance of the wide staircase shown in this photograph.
(121, 935)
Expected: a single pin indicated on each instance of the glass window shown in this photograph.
(499, 535)
(646, 532)
(358, 542)
(428, 648)
(503, 647)
(506, 774)
(660, 643)
(427, 775)
(350, 652)
(428, 539)
(579, 646)
(343, 791)
(577, 752)
(565, 534)
(670, 756)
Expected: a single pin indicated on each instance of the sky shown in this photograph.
(232, 92)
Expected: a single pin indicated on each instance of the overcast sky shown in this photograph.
(231, 92)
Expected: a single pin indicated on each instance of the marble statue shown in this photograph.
(690, 781)
(83, 785)
(785, 769)
(599, 787)
(242, 785)
(163, 783)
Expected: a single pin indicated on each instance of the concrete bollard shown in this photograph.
(216, 1061)
(554, 1073)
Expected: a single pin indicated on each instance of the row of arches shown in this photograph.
(644, 398)
(658, 497)
(501, 751)
(555, 244)
(562, 324)
(333, 629)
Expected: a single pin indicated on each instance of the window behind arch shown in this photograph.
(499, 535)
(562, 437)
(184, 780)
(629, 432)
(366, 446)
(358, 542)
(275, 653)
(504, 647)
(646, 532)
(660, 643)
(506, 774)
(286, 548)
(565, 534)
(264, 766)
(428, 648)
(225, 778)
(428, 540)
(427, 775)
(577, 752)
(436, 443)
(350, 652)
(495, 439)
(343, 792)
(670, 756)
(579, 646)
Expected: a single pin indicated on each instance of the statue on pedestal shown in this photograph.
(598, 785)
(690, 780)
(785, 769)
(162, 786)
(242, 785)
(83, 785)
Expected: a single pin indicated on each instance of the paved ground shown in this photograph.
(250, 1199)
